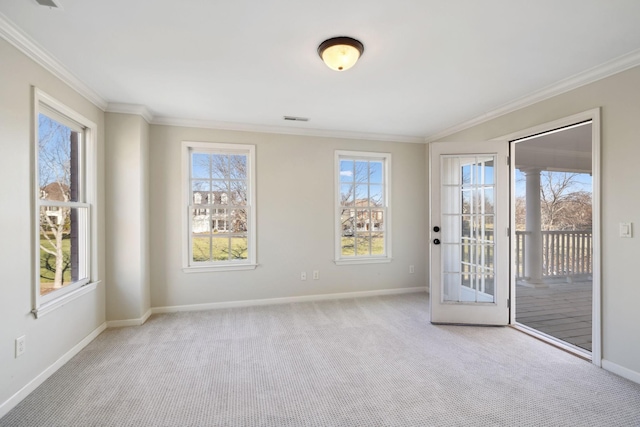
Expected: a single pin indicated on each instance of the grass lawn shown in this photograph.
(349, 245)
(46, 275)
(202, 249)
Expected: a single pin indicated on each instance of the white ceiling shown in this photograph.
(428, 65)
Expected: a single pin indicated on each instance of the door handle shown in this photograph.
(436, 241)
(436, 228)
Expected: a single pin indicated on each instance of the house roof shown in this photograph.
(428, 65)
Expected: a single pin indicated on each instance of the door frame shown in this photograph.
(594, 116)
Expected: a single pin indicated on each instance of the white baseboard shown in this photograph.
(621, 370)
(10, 403)
(129, 322)
(286, 300)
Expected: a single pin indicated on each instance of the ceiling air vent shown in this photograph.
(296, 119)
(50, 3)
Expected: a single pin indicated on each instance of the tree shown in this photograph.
(565, 202)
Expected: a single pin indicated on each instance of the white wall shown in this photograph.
(619, 97)
(127, 196)
(51, 336)
(295, 211)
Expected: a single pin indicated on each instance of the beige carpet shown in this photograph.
(358, 362)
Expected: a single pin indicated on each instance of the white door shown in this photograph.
(469, 241)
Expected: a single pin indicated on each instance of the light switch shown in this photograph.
(626, 229)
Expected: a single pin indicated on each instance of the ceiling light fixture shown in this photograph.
(340, 53)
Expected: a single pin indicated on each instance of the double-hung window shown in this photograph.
(64, 194)
(363, 214)
(220, 206)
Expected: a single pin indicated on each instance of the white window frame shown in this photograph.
(87, 183)
(188, 266)
(363, 259)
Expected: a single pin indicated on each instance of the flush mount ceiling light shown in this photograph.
(340, 53)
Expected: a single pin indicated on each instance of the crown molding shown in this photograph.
(207, 124)
(583, 78)
(122, 108)
(16, 37)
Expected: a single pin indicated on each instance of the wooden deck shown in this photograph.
(561, 310)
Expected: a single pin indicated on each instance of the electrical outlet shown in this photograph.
(21, 345)
(411, 269)
(303, 275)
(316, 274)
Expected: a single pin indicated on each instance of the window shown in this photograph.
(220, 223)
(64, 178)
(363, 231)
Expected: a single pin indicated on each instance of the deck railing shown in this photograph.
(564, 253)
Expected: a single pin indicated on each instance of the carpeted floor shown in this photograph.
(357, 362)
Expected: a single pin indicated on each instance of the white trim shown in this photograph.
(285, 300)
(226, 267)
(16, 37)
(11, 402)
(129, 322)
(283, 130)
(355, 261)
(627, 373)
(583, 78)
(56, 303)
(122, 108)
(594, 116)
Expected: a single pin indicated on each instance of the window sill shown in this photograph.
(356, 261)
(213, 268)
(52, 305)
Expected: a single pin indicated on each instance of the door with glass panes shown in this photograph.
(469, 242)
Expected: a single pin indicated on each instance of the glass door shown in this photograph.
(469, 234)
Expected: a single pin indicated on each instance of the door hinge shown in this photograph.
(508, 161)
(508, 231)
(508, 302)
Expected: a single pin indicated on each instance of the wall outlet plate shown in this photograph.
(21, 345)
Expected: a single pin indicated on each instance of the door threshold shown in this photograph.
(556, 342)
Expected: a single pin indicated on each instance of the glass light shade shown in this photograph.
(340, 57)
(340, 53)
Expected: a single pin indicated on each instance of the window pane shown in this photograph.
(347, 221)
(239, 248)
(375, 195)
(375, 172)
(362, 172)
(58, 161)
(348, 246)
(346, 171)
(201, 192)
(62, 246)
(238, 167)
(238, 193)
(220, 247)
(346, 194)
(200, 166)
(377, 220)
(201, 247)
(362, 220)
(362, 195)
(200, 221)
(238, 220)
(362, 244)
(220, 192)
(219, 166)
(377, 244)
